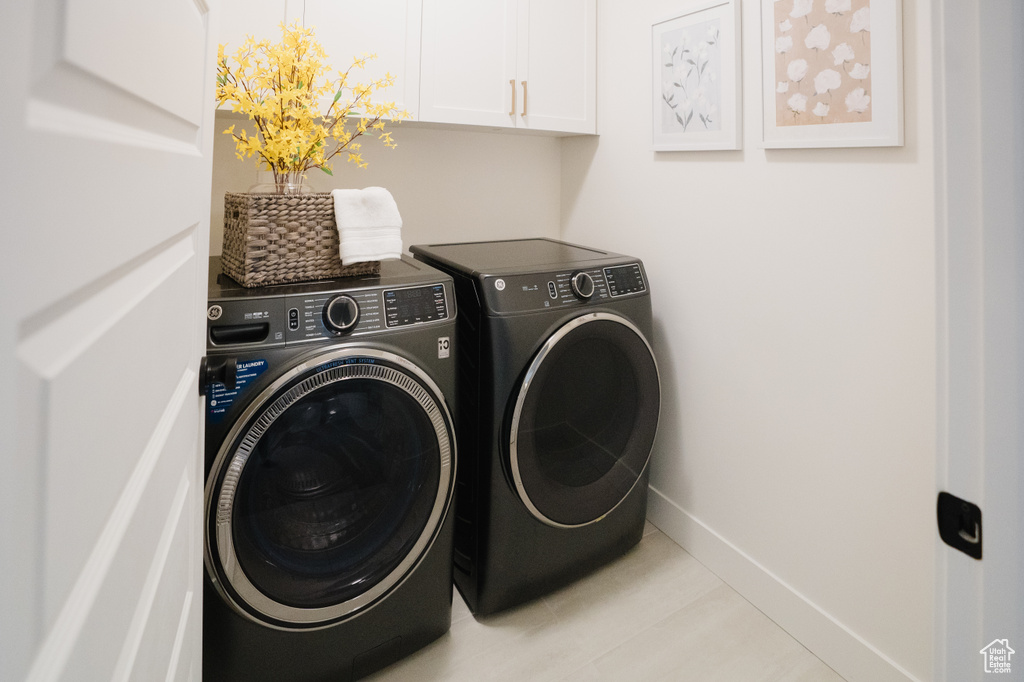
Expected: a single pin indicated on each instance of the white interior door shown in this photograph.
(980, 159)
(107, 139)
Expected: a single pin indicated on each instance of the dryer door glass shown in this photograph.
(585, 419)
(334, 491)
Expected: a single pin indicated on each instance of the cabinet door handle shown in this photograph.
(524, 99)
(513, 84)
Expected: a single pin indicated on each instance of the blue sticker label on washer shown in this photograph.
(219, 399)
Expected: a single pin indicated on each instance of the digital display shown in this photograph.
(626, 279)
(415, 305)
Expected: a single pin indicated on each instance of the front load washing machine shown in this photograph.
(330, 463)
(557, 405)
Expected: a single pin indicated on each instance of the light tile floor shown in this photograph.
(655, 614)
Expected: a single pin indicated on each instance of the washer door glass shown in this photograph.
(333, 489)
(585, 420)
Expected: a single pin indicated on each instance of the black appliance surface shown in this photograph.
(330, 467)
(557, 405)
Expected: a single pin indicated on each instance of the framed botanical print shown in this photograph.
(832, 73)
(696, 78)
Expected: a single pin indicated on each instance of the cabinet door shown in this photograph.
(388, 28)
(557, 55)
(468, 62)
(260, 19)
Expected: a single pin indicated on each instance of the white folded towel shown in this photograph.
(369, 225)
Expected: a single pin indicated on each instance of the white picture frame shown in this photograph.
(832, 73)
(696, 85)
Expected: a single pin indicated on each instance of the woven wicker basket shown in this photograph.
(281, 238)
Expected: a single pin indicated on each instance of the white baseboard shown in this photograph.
(824, 636)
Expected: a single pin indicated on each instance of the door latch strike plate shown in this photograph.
(960, 524)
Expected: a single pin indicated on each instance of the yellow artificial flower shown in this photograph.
(279, 87)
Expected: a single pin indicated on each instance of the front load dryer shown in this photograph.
(557, 405)
(330, 464)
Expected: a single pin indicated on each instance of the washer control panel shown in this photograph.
(353, 312)
(537, 291)
(415, 305)
(284, 320)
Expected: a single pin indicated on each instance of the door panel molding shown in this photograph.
(137, 30)
(54, 336)
(166, 596)
(111, 430)
(87, 110)
(66, 96)
(126, 536)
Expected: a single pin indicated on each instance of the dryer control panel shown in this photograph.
(624, 280)
(545, 290)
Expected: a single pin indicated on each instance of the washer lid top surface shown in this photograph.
(495, 257)
(394, 272)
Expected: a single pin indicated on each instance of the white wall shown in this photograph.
(795, 296)
(449, 185)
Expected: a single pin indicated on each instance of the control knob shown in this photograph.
(341, 314)
(582, 285)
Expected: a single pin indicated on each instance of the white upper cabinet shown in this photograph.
(346, 29)
(510, 63)
(257, 18)
(526, 64)
(260, 19)
(556, 60)
(468, 62)
(388, 28)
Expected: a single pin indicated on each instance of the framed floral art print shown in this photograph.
(832, 73)
(696, 85)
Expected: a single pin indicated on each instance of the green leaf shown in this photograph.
(337, 95)
(327, 170)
